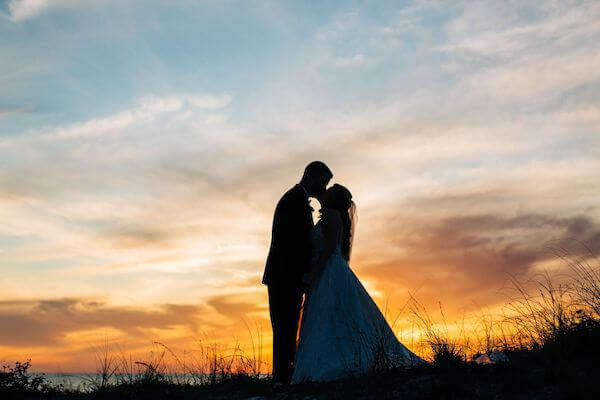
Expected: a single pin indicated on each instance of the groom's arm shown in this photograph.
(298, 250)
(275, 273)
(290, 248)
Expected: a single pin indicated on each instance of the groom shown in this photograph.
(288, 259)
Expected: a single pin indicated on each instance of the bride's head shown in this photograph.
(339, 198)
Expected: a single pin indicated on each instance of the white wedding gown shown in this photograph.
(343, 333)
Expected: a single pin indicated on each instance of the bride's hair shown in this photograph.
(339, 198)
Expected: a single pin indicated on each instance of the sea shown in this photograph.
(84, 381)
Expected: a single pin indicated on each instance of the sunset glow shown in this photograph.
(145, 144)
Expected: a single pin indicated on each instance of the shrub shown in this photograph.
(17, 379)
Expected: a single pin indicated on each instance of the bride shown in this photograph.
(343, 332)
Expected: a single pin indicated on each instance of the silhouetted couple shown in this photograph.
(342, 331)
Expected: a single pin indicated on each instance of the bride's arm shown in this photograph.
(331, 223)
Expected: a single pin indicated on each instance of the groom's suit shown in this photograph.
(288, 259)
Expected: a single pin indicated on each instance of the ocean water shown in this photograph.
(82, 381)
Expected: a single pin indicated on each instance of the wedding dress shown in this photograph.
(343, 333)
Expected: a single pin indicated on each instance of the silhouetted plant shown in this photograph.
(585, 278)
(17, 378)
(542, 312)
(446, 353)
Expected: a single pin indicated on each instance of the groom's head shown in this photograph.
(315, 178)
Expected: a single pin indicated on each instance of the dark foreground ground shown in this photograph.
(526, 376)
(565, 366)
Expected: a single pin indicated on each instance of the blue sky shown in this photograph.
(144, 144)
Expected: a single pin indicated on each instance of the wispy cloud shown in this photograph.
(503, 34)
(56, 331)
(50, 322)
(357, 60)
(469, 258)
(147, 110)
(23, 9)
(5, 112)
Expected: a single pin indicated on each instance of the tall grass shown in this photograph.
(445, 351)
(208, 363)
(585, 278)
(539, 309)
(106, 366)
(544, 311)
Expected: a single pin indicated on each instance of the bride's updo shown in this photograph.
(339, 198)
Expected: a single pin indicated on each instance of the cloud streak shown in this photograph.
(51, 322)
(148, 109)
(20, 10)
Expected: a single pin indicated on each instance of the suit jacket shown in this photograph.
(289, 255)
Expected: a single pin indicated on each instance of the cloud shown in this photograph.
(208, 101)
(357, 60)
(20, 10)
(543, 78)
(234, 308)
(147, 110)
(338, 26)
(65, 333)
(122, 235)
(470, 257)
(498, 31)
(51, 322)
(5, 112)
(518, 57)
(348, 41)
(587, 114)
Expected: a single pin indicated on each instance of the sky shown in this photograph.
(144, 145)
